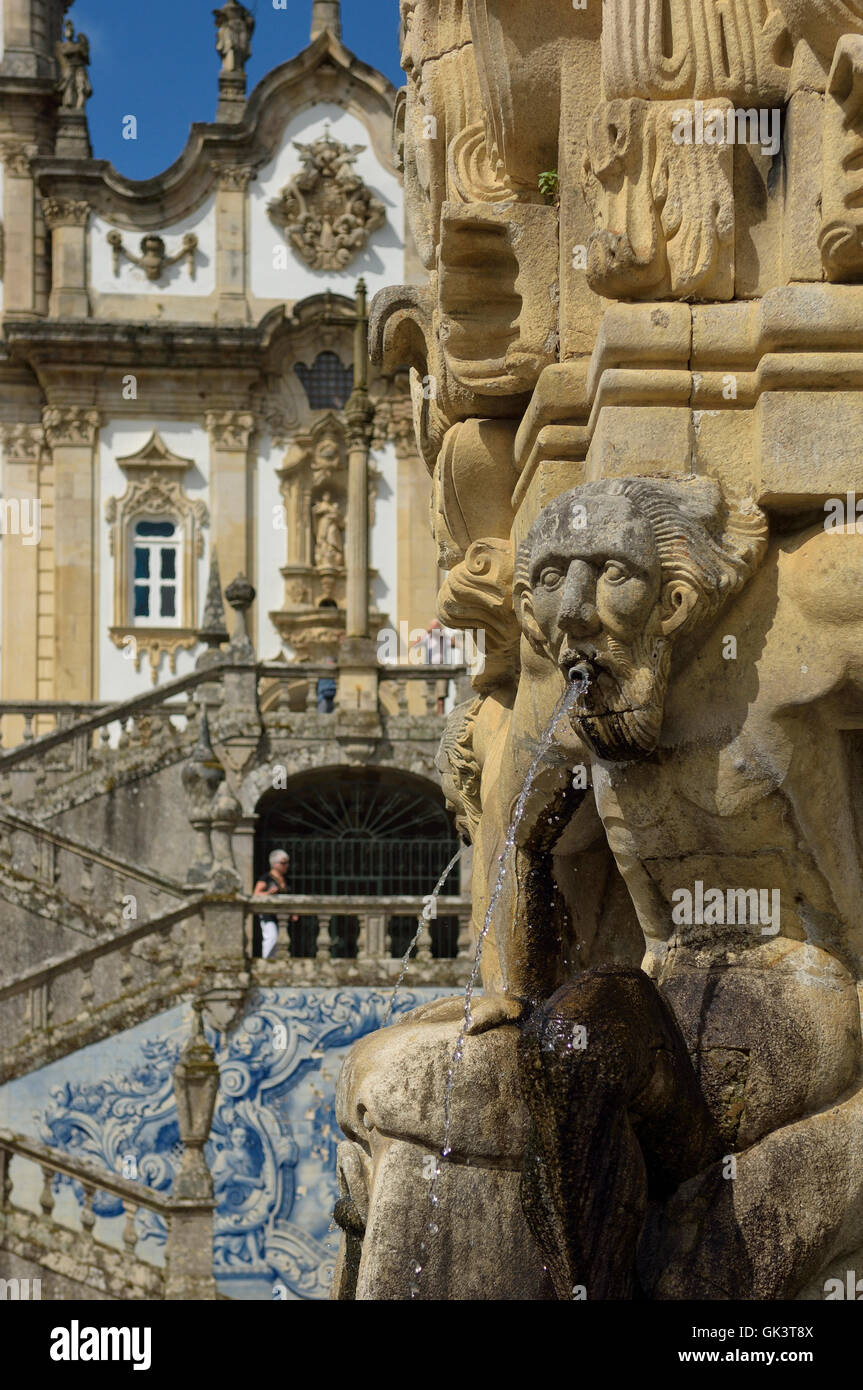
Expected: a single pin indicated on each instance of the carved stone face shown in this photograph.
(595, 595)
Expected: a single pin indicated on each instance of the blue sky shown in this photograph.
(158, 62)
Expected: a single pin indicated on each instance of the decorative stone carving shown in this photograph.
(65, 212)
(841, 239)
(23, 443)
(234, 177)
(154, 259)
(230, 429)
(70, 425)
(17, 156)
(663, 212)
(326, 211)
(235, 26)
(329, 534)
(73, 55)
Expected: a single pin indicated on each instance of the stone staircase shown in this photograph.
(125, 868)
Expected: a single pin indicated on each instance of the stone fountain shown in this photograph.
(637, 372)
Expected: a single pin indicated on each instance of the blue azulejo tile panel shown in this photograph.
(273, 1144)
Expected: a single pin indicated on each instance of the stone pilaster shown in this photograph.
(72, 433)
(231, 484)
(19, 216)
(66, 219)
(24, 470)
(232, 240)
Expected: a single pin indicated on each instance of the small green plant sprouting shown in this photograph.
(549, 184)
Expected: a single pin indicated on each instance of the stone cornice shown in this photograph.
(324, 71)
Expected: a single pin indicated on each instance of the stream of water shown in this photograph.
(428, 913)
(573, 690)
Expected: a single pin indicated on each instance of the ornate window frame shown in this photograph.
(155, 489)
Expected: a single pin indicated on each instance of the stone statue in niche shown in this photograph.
(329, 533)
(326, 211)
(73, 55)
(234, 26)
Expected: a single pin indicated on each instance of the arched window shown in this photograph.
(156, 573)
(327, 383)
(367, 833)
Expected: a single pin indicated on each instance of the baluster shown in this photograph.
(104, 738)
(465, 949)
(81, 757)
(88, 1216)
(125, 966)
(5, 1178)
(2, 744)
(86, 885)
(311, 696)
(424, 947)
(130, 1233)
(362, 936)
(46, 1196)
(324, 944)
(28, 729)
(85, 994)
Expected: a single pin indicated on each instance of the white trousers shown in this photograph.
(269, 936)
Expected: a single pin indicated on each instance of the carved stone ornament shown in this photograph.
(326, 211)
(233, 177)
(234, 29)
(17, 155)
(154, 259)
(230, 429)
(23, 443)
(70, 425)
(65, 212)
(73, 56)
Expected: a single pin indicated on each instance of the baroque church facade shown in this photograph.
(210, 505)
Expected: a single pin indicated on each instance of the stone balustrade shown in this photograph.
(75, 1256)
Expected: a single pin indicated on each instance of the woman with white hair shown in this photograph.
(273, 882)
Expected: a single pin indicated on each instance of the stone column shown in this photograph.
(231, 491)
(23, 453)
(358, 656)
(19, 218)
(72, 433)
(66, 219)
(232, 248)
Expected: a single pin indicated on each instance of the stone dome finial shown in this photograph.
(326, 14)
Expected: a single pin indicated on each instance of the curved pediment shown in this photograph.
(324, 72)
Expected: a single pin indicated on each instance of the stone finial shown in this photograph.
(326, 16)
(241, 595)
(212, 630)
(196, 1085)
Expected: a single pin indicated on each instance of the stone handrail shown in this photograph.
(83, 1171)
(78, 1255)
(50, 970)
(372, 914)
(82, 729)
(14, 820)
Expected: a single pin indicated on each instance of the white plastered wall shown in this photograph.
(380, 261)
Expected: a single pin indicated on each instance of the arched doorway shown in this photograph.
(361, 833)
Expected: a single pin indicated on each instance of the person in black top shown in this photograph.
(273, 882)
